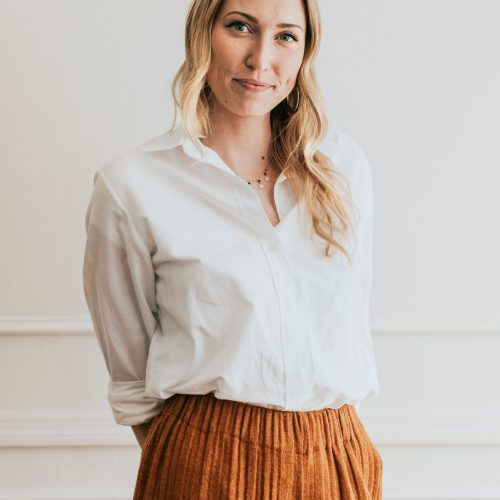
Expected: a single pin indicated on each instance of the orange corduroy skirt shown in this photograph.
(204, 448)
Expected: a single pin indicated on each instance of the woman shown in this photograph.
(237, 342)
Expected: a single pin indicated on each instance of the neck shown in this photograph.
(241, 142)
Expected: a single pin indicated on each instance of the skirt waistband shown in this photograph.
(298, 432)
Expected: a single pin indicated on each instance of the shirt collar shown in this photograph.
(168, 140)
(178, 137)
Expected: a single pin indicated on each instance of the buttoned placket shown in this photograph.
(275, 254)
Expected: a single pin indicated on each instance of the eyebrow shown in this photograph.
(254, 20)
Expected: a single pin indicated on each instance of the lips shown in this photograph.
(254, 86)
(254, 83)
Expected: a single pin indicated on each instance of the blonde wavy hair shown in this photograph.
(299, 123)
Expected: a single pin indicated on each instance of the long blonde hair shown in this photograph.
(298, 128)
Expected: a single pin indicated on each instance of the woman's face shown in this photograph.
(260, 40)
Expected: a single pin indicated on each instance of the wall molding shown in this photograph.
(45, 325)
(30, 495)
(436, 325)
(390, 427)
(433, 426)
(82, 325)
(450, 493)
(35, 429)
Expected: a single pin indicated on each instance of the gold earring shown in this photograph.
(207, 89)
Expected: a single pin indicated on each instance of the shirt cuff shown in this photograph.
(129, 404)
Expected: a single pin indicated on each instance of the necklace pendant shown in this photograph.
(261, 185)
(267, 178)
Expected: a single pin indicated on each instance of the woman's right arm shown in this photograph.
(141, 431)
(119, 286)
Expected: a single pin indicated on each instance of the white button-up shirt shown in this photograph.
(191, 289)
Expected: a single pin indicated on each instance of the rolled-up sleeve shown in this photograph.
(119, 288)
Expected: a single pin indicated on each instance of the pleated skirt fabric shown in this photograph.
(204, 448)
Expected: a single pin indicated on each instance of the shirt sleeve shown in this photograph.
(119, 288)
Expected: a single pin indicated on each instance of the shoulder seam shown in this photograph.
(124, 209)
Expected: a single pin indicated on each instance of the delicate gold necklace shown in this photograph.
(259, 181)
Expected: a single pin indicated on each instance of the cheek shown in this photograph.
(224, 53)
(290, 72)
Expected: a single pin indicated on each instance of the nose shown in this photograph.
(260, 55)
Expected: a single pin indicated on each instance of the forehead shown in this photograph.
(268, 11)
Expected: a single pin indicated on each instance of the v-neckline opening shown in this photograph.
(282, 219)
(218, 162)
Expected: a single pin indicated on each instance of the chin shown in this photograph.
(251, 110)
(241, 108)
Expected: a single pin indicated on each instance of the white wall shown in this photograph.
(415, 82)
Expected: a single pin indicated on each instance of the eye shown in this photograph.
(236, 23)
(292, 35)
(239, 23)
